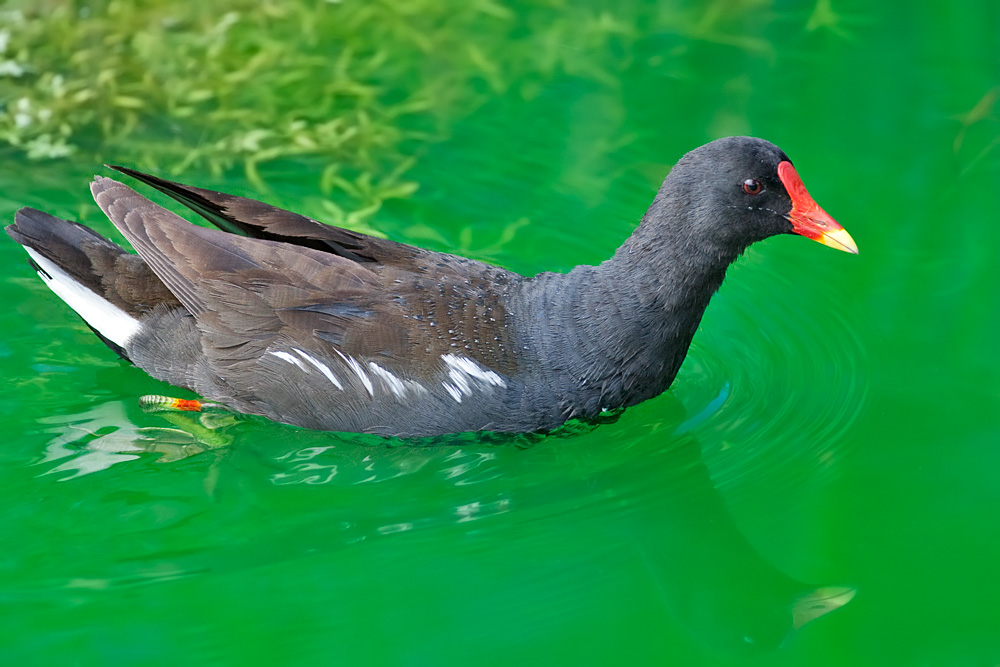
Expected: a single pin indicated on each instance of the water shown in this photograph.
(835, 423)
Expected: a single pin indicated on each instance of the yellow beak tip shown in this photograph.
(839, 240)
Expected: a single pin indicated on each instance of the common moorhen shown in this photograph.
(282, 316)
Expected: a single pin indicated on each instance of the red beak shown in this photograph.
(807, 218)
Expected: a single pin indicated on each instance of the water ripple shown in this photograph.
(776, 384)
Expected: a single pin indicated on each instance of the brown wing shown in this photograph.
(243, 282)
(263, 306)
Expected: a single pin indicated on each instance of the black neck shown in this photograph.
(615, 334)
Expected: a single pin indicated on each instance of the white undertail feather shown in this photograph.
(108, 319)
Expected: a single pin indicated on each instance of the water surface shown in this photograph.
(835, 423)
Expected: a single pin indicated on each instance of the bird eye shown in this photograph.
(752, 186)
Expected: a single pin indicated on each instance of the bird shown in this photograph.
(276, 314)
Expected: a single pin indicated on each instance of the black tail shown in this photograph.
(108, 287)
(71, 246)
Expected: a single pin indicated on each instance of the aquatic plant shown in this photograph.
(345, 89)
(353, 86)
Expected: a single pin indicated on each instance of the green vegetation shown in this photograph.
(351, 88)
(233, 83)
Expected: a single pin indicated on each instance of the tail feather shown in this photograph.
(64, 242)
(109, 288)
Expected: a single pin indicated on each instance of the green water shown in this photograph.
(836, 423)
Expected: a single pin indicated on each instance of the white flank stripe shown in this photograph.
(416, 386)
(468, 367)
(289, 358)
(395, 385)
(111, 321)
(323, 368)
(463, 373)
(360, 372)
(461, 382)
(455, 393)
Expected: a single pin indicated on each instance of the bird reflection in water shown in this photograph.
(706, 574)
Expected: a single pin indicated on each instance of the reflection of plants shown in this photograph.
(464, 244)
(228, 83)
(981, 115)
(353, 87)
(824, 17)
